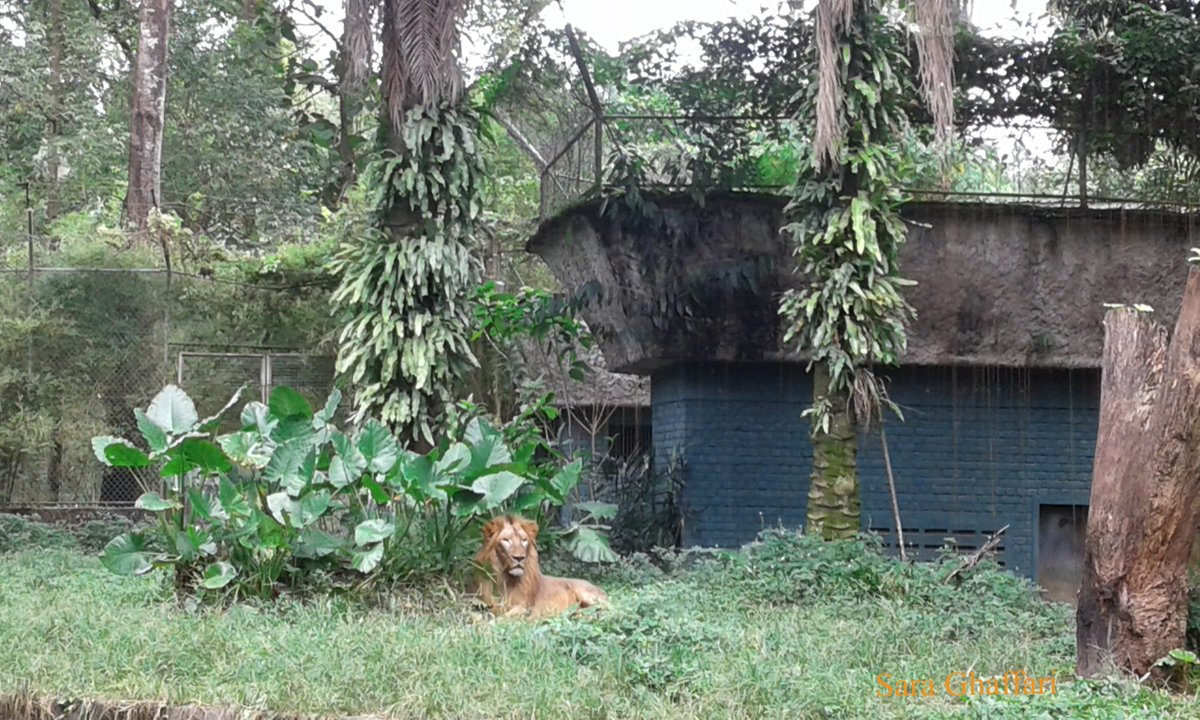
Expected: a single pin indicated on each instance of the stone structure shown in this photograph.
(999, 388)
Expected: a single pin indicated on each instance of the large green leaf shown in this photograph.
(248, 449)
(232, 499)
(281, 506)
(206, 508)
(173, 411)
(497, 488)
(588, 545)
(368, 560)
(325, 416)
(312, 506)
(153, 502)
(565, 480)
(371, 531)
(456, 459)
(256, 417)
(316, 543)
(348, 464)
(218, 575)
(196, 454)
(286, 462)
(156, 437)
(287, 404)
(126, 555)
(488, 453)
(123, 453)
(598, 510)
(378, 447)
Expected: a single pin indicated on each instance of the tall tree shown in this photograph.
(147, 119)
(845, 226)
(405, 288)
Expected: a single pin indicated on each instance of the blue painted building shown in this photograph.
(979, 448)
(999, 388)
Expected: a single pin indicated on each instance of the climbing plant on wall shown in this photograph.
(848, 314)
(406, 286)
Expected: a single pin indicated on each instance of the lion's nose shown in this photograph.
(519, 558)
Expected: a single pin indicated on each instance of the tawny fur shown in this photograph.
(512, 583)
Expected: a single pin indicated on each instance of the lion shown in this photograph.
(509, 561)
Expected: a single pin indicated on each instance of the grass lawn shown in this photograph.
(792, 630)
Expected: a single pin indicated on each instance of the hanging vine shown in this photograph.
(406, 288)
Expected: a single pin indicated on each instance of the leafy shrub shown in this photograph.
(289, 495)
(20, 533)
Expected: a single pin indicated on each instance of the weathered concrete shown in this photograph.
(1000, 285)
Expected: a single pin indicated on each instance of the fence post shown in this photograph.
(597, 108)
(29, 278)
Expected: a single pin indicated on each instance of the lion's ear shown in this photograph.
(530, 528)
(492, 527)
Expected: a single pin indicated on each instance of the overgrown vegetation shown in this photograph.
(763, 632)
(288, 498)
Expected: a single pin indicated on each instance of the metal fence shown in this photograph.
(81, 348)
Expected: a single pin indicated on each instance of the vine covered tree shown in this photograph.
(845, 226)
(405, 288)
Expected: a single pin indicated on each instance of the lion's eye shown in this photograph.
(524, 543)
(505, 542)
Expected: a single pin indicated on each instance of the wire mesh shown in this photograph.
(81, 348)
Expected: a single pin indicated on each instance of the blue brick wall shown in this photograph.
(979, 449)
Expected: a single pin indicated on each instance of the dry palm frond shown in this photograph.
(420, 45)
(935, 50)
(357, 45)
(832, 17)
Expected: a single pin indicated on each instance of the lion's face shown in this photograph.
(512, 540)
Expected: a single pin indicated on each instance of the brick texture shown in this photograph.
(978, 449)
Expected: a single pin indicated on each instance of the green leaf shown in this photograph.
(312, 506)
(126, 555)
(565, 480)
(598, 510)
(457, 458)
(206, 508)
(316, 543)
(378, 447)
(153, 502)
(371, 531)
(124, 455)
(155, 437)
(247, 449)
(497, 488)
(285, 464)
(196, 454)
(257, 417)
(366, 561)
(325, 416)
(173, 411)
(588, 545)
(122, 450)
(281, 506)
(232, 499)
(218, 575)
(378, 494)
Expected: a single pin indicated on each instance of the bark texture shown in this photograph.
(146, 120)
(1145, 498)
(834, 506)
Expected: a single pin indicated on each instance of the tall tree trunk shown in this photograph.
(834, 508)
(54, 124)
(1145, 499)
(146, 120)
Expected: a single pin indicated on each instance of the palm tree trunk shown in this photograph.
(834, 508)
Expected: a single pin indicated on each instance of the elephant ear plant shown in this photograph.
(289, 494)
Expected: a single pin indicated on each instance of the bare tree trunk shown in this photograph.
(147, 117)
(54, 126)
(1145, 500)
(834, 506)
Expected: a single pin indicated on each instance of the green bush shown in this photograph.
(19, 533)
(289, 496)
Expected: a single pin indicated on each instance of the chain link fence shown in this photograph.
(81, 348)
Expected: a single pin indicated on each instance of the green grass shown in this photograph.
(795, 629)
